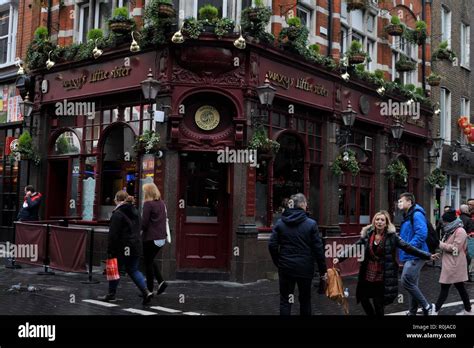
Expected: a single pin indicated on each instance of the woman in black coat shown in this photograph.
(125, 245)
(378, 273)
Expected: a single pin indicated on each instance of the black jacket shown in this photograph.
(390, 274)
(295, 244)
(467, 222)
(124, 232)
(30, 212)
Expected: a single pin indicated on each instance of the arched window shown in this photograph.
(66, 144)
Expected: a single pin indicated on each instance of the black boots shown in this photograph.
(147, 296)
(107, 298)
(161, 287)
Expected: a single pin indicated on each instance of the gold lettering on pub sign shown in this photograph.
(299, 83)
(97, 76)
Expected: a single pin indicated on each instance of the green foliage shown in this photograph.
(259, 3)
(257, 28)
(397, 172)
(437, 178)
(120, 12)
(41, 33)
(192, 27)
(405, 64)
(443, 52)
(395, 20)
(420, 25)
(148, 142)
(345, 162)
(26, 149)
(294, 22)
(433, 77)
(95, 34)
(168, 2)
(260, 141)
(208, 13)
(223, 27)
(315, 48)
(379, 74)
(356, 47)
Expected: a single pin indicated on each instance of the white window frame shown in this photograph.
(445, 115)
(446, 16)
(465, 45)
(365, 35)
(95, 16)
(12, 32)
(224, 8)
(82, 21)
(410, 50)
(309, 15)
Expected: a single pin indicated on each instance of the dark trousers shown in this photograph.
(468, 264)
(150, 250)
(443, 295)
(131, 267)
(287, 289)
(372, 291)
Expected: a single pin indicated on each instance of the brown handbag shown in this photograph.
(335, 289)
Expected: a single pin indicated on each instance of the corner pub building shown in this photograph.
(220, 214)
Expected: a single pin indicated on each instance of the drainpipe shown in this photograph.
(330, 28)
(50, 4)
(423, 54)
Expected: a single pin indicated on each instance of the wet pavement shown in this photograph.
(65, 294)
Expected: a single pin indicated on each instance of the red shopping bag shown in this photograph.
(111, 269)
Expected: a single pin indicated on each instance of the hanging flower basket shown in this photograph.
(405, 65)
(434, 80)
(394, 29)
(346, 162)
(437, 179)
(355, 59)
(122, 27)
(356, 5)
(148, 143)
(266, 148)
(398, 173)
(166, 10)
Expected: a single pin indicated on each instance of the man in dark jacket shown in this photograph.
(294, 245)
(469, 227)
(31, 204)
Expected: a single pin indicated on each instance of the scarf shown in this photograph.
(449, 228)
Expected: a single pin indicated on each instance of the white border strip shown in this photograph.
(101, 303)
(139, 311)
(164, 309)
(191, 313)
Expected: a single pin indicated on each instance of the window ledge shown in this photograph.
(6, 65)
(465, 67)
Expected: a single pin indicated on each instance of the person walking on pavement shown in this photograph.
(124, 244)
(31, 205)
(294, 245)
(154, 235)
(378, 273)
(439, 223)
(414, 231)
(453, 268)
(469, 228)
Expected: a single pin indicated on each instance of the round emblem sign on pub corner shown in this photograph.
(207, 117)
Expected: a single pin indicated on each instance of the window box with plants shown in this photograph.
(38, 49)
(266, 148)
(355, 54)
(398, 173)
(147, 143)
(437, 179)
(434, 80)
(443, 52)
(395, 28)
(356, 5)
(163, 8)
(192, 28)
(120, 23)
(404, 64)
(346, 162)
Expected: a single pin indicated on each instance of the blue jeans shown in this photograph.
(131, 267)
(410, 278)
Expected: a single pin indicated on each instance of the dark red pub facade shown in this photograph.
(220, 213)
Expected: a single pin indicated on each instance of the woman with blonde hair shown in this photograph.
(154, 235)
(378, 273)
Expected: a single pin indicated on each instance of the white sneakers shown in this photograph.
(432, 310)
(464, 312)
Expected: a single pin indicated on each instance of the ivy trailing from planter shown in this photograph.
(346, 162)
(262, 143)
(443, 52)
(295, 36)
(254, 21)
(397, 172)
(437, 178)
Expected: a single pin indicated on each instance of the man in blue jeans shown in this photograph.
(413, 230)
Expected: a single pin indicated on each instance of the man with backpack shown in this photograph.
(414, 231)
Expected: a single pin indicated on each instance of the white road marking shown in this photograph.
(164, 309)
(191, 313)
(101, 303)
(139, 311)
(446, 305)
